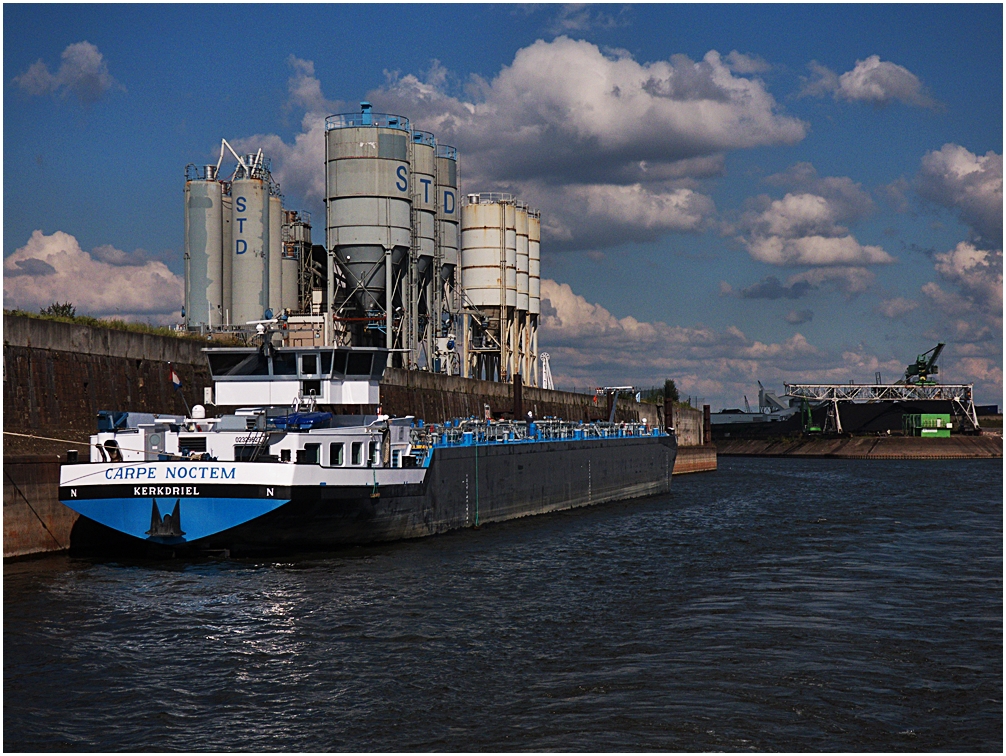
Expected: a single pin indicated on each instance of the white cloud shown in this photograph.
(872, 81)
(83, 73)
(972, 184)
(805, 227)
(896, 308)
(566, 111)
(54, 268)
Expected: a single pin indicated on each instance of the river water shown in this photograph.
(774, 604)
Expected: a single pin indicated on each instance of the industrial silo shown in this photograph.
(250, 229)
(489, 279)
(534, 290)
(424, 208)
(275, 254)
(369, 216)
(448, 211)
(228, 260)
(521, 257)
(203, 248)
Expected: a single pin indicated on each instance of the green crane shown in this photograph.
(924, 366)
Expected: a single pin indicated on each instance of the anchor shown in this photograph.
(170, 526)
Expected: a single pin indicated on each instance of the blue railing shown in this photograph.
(446, 151)
(424, 137)
(355, 120)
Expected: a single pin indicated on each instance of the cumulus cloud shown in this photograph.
(805, 227)
(771, 287)
(971, 184)
(589, 346)
(896, 308)
(54, 268)
(82, 73)
(874, 81)
(564, 110)
(798, 317)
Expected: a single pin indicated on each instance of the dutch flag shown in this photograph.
(175, 380)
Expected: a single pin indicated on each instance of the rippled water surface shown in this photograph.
(774, 604)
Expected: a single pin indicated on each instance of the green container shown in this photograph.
(927, 425)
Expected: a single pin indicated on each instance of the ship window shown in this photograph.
(309, 364)
(241, 363)
(284, 455)
(335, 455)
(375, 454)
(340, 363)
(244, 452)
(312, 452)
(359, 364)
(380, 360)
(188, 444)
(357, 453)
(326, 363)
(284, 364)
(396, 458)
(309, 388)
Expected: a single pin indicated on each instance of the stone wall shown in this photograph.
(34, 522)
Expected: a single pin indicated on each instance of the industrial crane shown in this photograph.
(924, 366)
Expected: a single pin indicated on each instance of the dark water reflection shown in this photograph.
(783, 604)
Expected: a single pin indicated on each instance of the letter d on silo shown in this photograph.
(241, 246)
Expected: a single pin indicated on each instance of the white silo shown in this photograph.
(489, 280)
(275, 254)
(448, 211)
(203, 248)
(522, 257)
(424, 208)
(369, 215)
(250, 228)
(226, 303)
(534, 291)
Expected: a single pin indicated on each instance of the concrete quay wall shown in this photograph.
(867, 447)
(34, 521)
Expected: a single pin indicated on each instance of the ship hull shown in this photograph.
(462, 487)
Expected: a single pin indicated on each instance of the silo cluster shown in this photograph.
(449, 286)
(242, 248)
(500, 273)
(392, 224)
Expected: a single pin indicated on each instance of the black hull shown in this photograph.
(463, 487)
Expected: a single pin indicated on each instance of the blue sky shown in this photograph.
(729, 193)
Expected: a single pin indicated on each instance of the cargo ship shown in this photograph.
(280, 474)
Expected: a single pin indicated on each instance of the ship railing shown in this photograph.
(473, 431)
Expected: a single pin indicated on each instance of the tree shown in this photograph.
(670, 391)
(64, 310)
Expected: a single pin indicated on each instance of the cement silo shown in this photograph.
(534, 290)
(369, 218)
(250, 228)
(424, 222)
(448, 211)
(275, 254)
(228, 260)
(489, 280)
(203, 248)
(519, 334)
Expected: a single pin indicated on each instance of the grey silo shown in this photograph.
(522, 257)
(448, 211)
(369, 204)
(250, 229)
(228, 260)
(203, 248)
(275, 253)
